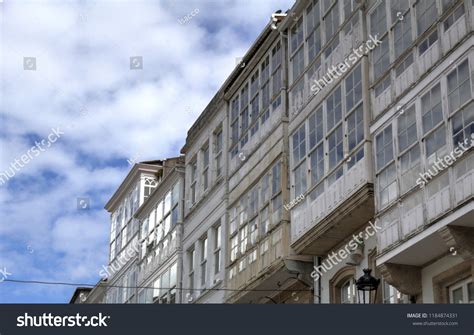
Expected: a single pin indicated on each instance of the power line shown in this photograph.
(19, 281)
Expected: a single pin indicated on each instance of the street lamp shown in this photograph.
(367, 287)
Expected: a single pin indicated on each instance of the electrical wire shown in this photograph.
(18, 281)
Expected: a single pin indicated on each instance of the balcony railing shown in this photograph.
(441, 195)
(306, 216)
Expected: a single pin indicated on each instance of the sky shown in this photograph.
(92, 85)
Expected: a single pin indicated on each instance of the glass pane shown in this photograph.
(457, 296)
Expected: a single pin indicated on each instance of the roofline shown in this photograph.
(220, 95)
(132, 174)
(177, 170)
(77, 292)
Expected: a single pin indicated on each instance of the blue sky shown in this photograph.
(108, 113)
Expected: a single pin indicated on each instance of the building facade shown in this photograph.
(204, 244)
(341, 142)
(160, 238)
(122, 271)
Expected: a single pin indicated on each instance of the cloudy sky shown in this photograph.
(65, 67)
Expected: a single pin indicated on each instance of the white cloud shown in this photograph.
(83, 50)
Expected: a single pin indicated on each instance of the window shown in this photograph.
(399, 6)
(426, 14)
(298, 64)
(244, 116)
(265, 96)
(436, 141)
(402, 35)
(276, 179)
(299, 144)
(317, 164)
(348, 292)
(265, 190)
(265, 70)
(462, 292)
(463, 125)
(316, 128)
(456, 15)
(218, 142)
(431, 110)
(276, 56)
(173, 282)
(335, 175)
(334, 109)
(235, 108)
(297, 35)
(253, 201)
(312, 16)
(203, 260)
(193, 168)
(253, 231)
(428, 42)
(378, 20)
(355, 127)
(276, 83)
(349, 6)
(407, 129)
(410, 168)
(254, 84)
(255, 104)
(384, 148)
(234, 244)
(390, 294)
(447, 3)
(387, 185)
(243, 239)
(149, 186)
(357, 157)
(353, 88)
(300, 179)
(265, 221)
(164, 288)
(335, 145)
(331, 22)
(403, 66)
(381, 58)
(217, 249)
(314, 30)
(205, 167)
(191, 259)
(277, 205)
(459, 86)
(382, 86)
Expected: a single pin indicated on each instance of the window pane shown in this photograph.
(317, 164)
(315, 128)
(334, 108)
(426, 14)
(407, 129)
(335, 147)
(355, 127)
